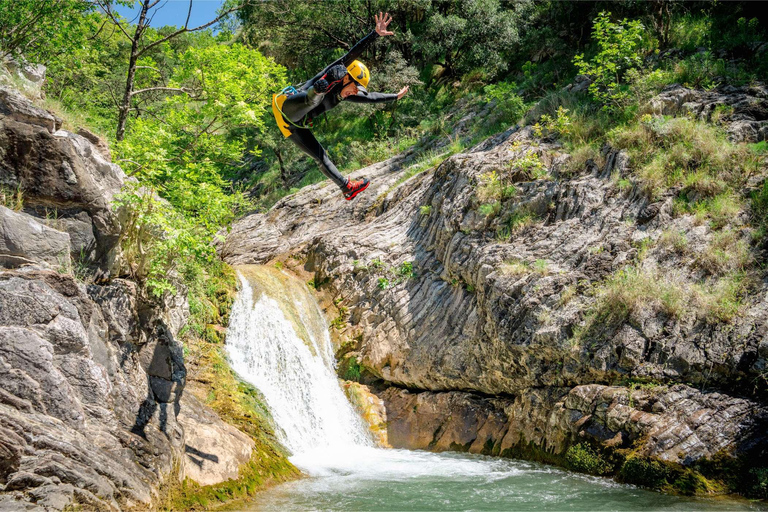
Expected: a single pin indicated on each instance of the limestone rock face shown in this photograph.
(18, 108)
(446, 299)
(84, 408)
(744, 110)
(63, 177)
(214, 451)
(91, 376)
(24, 240)
(680, 424)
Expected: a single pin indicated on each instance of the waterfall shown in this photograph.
(278, 341)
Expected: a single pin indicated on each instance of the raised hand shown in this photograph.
(382, 21)
(403, 91)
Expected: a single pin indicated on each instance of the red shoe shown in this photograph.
(354, 188)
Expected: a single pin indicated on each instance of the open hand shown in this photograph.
(403, 91)
(382, 21)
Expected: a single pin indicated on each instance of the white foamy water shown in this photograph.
(293, 370)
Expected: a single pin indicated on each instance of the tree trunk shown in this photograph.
(125, 105)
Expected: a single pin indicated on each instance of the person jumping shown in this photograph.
(344, 79)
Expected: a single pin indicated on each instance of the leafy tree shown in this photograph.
(38, 29)
(620, 47)
(470, 34)
(140, 46)
(182, 153)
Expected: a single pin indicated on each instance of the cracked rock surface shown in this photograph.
(482, 334)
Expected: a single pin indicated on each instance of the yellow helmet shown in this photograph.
(359, 72)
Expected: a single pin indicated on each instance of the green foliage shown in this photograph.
(584, 459)
(506, 100)
(528, 164)
(645, 472)
(39, 30)
(759, 207)
(383, 283)
(340, 321)
(759, 487)
(468, 35)
(350, 369)
(620, 48)
(406, 270)
(559, 125)
(182, 154)
(425, 210)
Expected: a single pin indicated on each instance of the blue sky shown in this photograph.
(174, 12)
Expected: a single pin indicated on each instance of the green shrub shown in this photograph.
(620, 48)
(350, 369)
(759, 486)
(645, 472)
(507, 101)
(582, 458)
(558, 125)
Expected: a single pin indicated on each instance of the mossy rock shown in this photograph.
(584, 459)
(350, 368)
(669, 477)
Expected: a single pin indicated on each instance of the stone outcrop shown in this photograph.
(80, 370)
(676, 424)
(92, 375)
(214, 450)
(445, 299)
(24, 240)
(743, 110)
(64, 181)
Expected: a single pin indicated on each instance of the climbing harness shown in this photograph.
(277, 108)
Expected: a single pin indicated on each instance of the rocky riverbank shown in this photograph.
(492, 329)
(93, 409)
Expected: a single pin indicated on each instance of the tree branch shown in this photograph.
(167, 89)
(106, 9)
(185, 29)
(344, 44)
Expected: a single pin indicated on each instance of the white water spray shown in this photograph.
(278, 340)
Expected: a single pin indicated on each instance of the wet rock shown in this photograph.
(688, 421)
(371, 408)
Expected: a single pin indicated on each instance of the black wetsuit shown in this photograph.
(307, 104)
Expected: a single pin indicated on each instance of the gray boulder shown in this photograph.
(62, 176)
(18, 108)
(25, 240)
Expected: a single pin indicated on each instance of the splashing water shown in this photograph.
(278, 341)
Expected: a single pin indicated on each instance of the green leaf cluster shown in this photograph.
(620, 48)
(181, 154)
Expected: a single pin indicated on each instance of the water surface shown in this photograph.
(278, 340)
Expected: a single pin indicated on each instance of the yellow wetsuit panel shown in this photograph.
(277, 107)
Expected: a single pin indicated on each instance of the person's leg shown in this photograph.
(307, 142)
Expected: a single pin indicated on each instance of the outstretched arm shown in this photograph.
(382, 22)
(363, 96)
